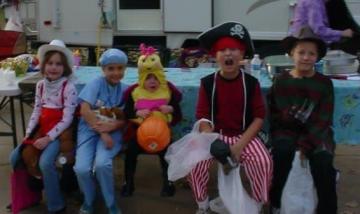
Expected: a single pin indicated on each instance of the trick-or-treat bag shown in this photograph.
(21, 194)
(232, 193)
(185, 153)
(299, 194)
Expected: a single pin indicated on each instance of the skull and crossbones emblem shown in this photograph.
(237, 30)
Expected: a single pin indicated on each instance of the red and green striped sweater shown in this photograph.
(315, 97)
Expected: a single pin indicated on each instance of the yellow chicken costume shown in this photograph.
(149, 63)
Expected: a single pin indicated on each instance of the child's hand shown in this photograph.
(237, 149)
(103, 126)
(206, 127)
(42, 143)
(347, 33)
(236, 152)
(107, 140)
(289, 116)
(144, 113)
(166, 109)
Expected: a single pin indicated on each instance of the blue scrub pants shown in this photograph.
(95, 161)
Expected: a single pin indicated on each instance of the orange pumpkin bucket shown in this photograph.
(153, 135)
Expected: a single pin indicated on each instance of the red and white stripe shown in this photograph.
(256, 161)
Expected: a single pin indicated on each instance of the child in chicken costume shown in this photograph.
(151, 106)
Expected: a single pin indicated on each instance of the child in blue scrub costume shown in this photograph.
(99, 141)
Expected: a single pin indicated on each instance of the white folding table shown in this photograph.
(7, 95)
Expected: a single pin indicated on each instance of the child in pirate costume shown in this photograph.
(153, 95)
(301, 104)
(231, 101)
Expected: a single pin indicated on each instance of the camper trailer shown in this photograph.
(161, 22)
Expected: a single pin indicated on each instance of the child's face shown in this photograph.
(305, 55)
(229, 58)
(54, 68)
(114, 73)
(151, 83)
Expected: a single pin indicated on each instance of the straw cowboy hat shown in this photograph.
(56, 45)
(307, 35)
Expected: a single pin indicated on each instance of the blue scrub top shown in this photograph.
(99, 93)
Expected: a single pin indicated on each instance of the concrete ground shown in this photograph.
(146, 198)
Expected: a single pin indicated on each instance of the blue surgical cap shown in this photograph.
(113, 56)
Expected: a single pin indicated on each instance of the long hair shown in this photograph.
(65, 63)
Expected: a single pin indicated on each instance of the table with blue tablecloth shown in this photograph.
(347, 98)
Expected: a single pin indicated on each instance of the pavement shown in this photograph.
(147, 199)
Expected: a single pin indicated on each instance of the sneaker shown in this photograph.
(203, 211)
(8, 207)
(168, 189)
(61, 211)
(337, 176)
(127, 190)
(275, 210)
(114, 210)
(86, 209)
(217, 206)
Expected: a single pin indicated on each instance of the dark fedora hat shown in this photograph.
(305, 34)
(228, 29)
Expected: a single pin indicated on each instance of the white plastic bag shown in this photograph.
(299, 194)
(217, 206)
(233, 194)
(14, 22)
(185, 153)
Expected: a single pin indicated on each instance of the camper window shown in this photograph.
(139, 4)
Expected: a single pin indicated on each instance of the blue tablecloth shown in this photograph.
(347, 98)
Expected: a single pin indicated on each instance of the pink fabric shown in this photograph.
(147, 51)
(21, 196)
(256, 161)
(151, 104)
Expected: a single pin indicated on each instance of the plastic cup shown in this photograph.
(11, 77)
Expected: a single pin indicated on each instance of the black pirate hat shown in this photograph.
(307, 35)
(227, 29)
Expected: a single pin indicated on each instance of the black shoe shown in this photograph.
(68, 180)
(168, 189)
(35, 184)
(8, 207)
(127, 190)
(61, 211)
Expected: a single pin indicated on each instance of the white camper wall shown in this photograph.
(77, 22)
(354, 6)
(139, 21)
(268, 22)
(187, 15)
